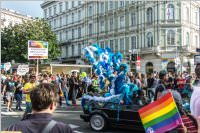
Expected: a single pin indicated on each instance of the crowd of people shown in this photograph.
(74, 85)
(71, 87)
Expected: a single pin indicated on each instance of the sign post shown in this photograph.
(37, 50)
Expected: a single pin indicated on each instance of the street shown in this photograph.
(70, 115)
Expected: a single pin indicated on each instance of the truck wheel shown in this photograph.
(97, 122)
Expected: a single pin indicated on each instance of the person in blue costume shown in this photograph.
(108, 66)
(121, 79)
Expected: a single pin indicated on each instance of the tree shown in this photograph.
(14, 40)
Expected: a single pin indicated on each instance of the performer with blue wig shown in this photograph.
(108, 66)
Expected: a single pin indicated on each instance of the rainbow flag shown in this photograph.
(161, 115)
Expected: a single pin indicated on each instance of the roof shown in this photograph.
(11, 11)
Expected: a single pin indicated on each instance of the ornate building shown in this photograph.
(165, 34)
(11, 17)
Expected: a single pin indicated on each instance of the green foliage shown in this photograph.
(14, 40)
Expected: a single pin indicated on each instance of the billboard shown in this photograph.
(37, 50)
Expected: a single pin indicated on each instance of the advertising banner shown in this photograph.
(37, 50)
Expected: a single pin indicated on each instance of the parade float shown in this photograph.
(116, 105)
(122, 104)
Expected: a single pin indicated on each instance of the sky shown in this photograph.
(31, 8)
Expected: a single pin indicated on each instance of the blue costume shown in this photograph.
(105, 63)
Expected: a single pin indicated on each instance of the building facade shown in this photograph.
(165, 34)
(11, 17)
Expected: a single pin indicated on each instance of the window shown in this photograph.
(133, 19)
(90, 10)
(102, 7)
(79, 15)
(106, 45)
(196, 18)
(49, 23)
(72, 17)
(66, 5)
(111, 24)
(60, 36)
(67, 47)
(73, 50)
(79, 3)
(149, 40)
(50, 11)
(72, 3)
(102, 44)
(187, 38)
(122, 22)
(133, 42)
(149, 15)
(54, 23)
(79, 49)
(111, 45)
(196, 41)
(79, 32)
(122, 46)
(122, 3)
(90, 29)
(60, 21)
(60, 6)
(45, 13)
(170, 12)
(54, 10)
(187, 13)
(72, 33)
(66, 19)
(102, 26)
(111, 5)
(171, 37)
(66, 32)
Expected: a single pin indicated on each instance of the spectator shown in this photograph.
(74, 86)
(161, 84)
(138, 82)
(8, 90)
(64, 90)
(195, 98)
(85, 82)
(28, 87)
(189, 122)
(18, 93)
(44, 103)
(45, 79)
(180, 83)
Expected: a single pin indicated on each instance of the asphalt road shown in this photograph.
(70, 115)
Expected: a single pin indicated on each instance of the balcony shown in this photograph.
(147, 50)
